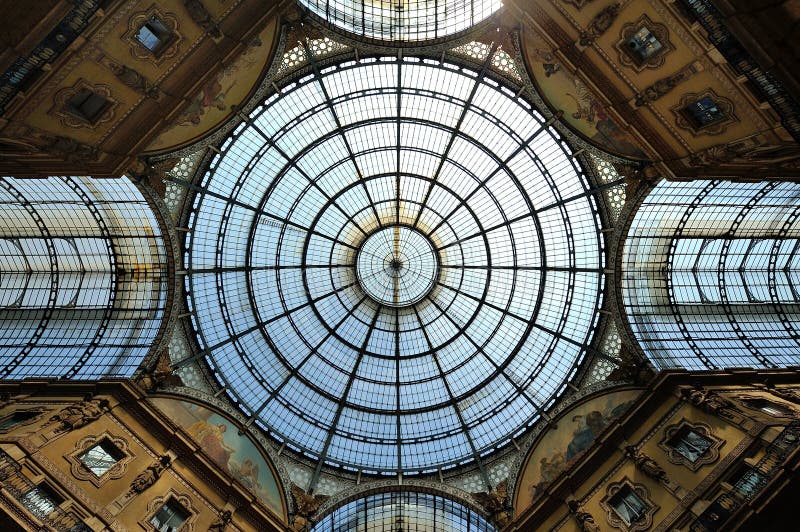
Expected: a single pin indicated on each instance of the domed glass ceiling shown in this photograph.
(403, 20)
(394, 265)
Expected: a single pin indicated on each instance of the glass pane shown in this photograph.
(101, 457)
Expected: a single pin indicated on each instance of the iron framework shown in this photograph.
(710, 274)
(352, 149)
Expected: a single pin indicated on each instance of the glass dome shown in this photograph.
(401, 511)
(395, 265)
(403, 20)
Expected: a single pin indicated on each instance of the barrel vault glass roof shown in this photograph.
(394, 265)
(403, 20)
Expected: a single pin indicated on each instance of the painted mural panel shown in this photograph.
(220, 440)
(558, 448)
(583, 110)
(212, 103)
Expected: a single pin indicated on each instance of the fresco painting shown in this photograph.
(212, 103)
(563, 89)
(219, 438)
(560, 447)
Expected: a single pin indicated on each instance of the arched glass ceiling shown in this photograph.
(404, 510)
(83, 277)
(403, 20)
(710, 274)
(394, 265)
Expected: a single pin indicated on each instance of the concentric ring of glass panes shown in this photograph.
(404, 510)
(403, 20)
(397, 266)
(291, 333)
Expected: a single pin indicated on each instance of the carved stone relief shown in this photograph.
(578, 3)
(584, 519)
(79, 414)
(129, 77)
(665, 85)
(149, 476)
(599, 24)
(201, 16)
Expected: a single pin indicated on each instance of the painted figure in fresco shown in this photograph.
(584, 435)
(247, 472)
(550, 468)
(211, 439)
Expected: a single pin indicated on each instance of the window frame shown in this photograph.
(175, 508)
(91, 115)
(615, 519)
(47, 495)
(157, 503)
(37, 413)
(710, 456)
(634, 51)
(695, 113)
(163, 34)
(81, 471)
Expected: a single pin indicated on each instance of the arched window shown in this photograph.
(402, 20)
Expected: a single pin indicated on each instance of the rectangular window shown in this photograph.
(101, 457)
(41, 500)
(154, 35)
(87, 105)
(690, 444)
(643, 44)
(20, 416)
(704, 112)
(628, 506)
(170, 517)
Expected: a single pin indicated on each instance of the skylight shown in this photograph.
(403, 20)
(394, 265)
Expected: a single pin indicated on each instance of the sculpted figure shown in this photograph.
(495, 503)
(306, 505)
(584, 519)
(646, 465)
(80, 414)
(148, 477)
(221, 522)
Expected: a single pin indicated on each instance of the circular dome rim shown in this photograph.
(381, 45)
(598, 296)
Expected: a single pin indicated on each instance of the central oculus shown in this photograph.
(397, 266)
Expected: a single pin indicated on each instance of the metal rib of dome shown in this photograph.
(400, 21)
(395, 265)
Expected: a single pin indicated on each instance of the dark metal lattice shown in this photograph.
(710, 274)
(83, 277)
(403, 20)
(404, 510)
(414, 377)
